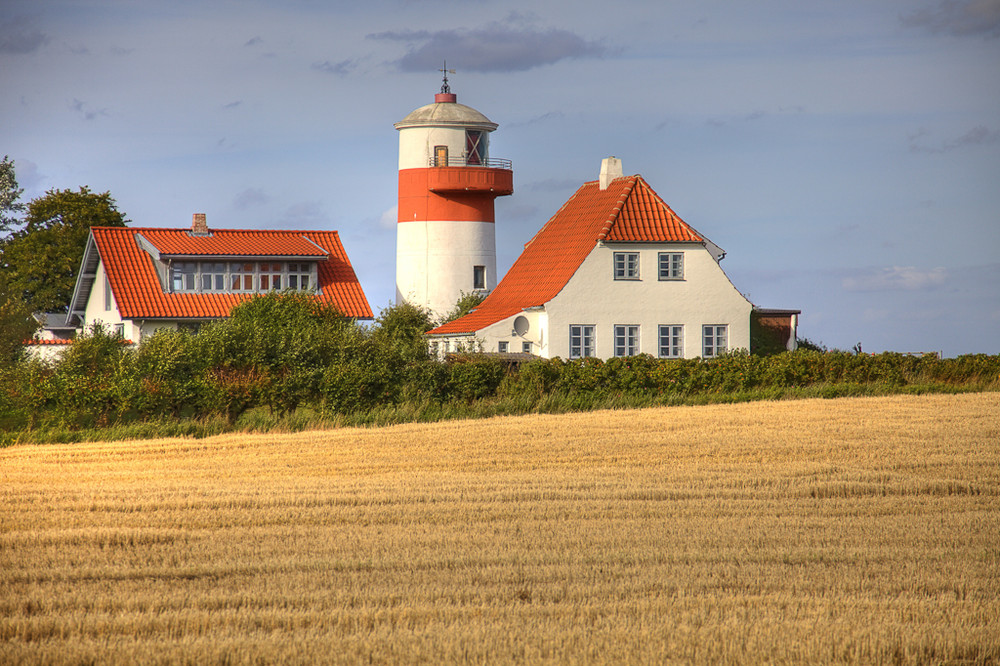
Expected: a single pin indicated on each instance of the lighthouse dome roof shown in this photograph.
(446, 114)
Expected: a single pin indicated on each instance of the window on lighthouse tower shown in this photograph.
(475, 147)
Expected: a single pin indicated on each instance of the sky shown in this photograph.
(844, 153)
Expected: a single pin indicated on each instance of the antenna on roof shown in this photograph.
(445, 88)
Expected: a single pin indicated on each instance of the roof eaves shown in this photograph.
(91, 255)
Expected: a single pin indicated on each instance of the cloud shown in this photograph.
(389, 218)
(342, 68)
(305, 215)
(493, 48)
(551, 115)
(960, 18)
(87, 113)
(18, 35)
(896, 278)
(250, 197)
(253, 41)
(979, 135)
(232, 105)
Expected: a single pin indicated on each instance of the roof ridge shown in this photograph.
(616, 211)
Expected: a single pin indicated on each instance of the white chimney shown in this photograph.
(611, 168)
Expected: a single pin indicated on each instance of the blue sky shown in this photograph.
(844, 153)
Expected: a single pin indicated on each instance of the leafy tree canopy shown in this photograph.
(10, 207)
(16, 326)
(39, 263)
(401, 328)
(465, 304)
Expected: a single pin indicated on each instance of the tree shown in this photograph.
(39, 263)
(16, 326)
(400, 329)
(465, 304)
(10, 207)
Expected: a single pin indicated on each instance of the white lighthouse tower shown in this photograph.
(445, 237)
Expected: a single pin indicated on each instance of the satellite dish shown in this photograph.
(521, 325)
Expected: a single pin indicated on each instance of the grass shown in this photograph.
(857, 530)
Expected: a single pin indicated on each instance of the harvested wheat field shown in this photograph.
(850, 530)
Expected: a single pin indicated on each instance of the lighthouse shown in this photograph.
(445, 236)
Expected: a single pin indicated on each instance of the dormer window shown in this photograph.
(300, 276)
(270, 276)
(242, 276)
(213, 277)
(182, 275)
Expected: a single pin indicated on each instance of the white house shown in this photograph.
(615, 272)
(137, 280)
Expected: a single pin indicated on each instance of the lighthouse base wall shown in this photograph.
(436, 262)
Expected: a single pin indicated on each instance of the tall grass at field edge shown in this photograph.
(427, 410)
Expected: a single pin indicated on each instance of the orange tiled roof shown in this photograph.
(137, 289)
(628, 210)
(233, 242)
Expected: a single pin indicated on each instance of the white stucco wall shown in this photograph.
(435, 259)
(106, 313)
(705, 296)
(97, 313)
(593, 297)
(416, 144)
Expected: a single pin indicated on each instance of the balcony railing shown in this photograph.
(489, 162)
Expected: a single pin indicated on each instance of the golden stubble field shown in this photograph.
(857, 530)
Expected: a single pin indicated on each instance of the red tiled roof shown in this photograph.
(233, 242)
(628, 210)
(138, 293)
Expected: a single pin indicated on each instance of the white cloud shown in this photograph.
(896, 278)
(389, 218)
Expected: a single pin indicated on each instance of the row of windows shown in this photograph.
(243, 276)
(714, 341)
(504, 347)
(670, 265)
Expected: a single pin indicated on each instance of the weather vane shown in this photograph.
(445, 88)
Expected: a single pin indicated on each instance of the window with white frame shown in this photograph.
(626, 339)
(715, 340)
(182, 275)
(213, 276)
(107, 292)
(241, 276)
(526, 347)
(671, 341)
(581, 341)
(502, 346)
(626, 265)
(300, 276)
(671, 265)
(270, 276)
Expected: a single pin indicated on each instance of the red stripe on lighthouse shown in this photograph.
(459, 194)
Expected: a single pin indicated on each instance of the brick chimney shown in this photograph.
(199, 226)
